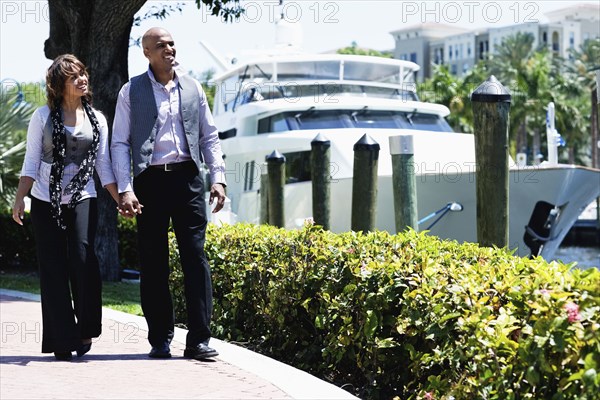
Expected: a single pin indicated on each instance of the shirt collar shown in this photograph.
(178, 71)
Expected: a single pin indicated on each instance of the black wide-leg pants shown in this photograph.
(176, 196)
(70, 282)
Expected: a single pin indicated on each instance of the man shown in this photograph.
(164, 125)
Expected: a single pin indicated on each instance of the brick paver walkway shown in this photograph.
(118, 367)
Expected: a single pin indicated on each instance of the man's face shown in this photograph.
(160, 51)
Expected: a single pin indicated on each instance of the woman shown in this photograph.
(66, 140)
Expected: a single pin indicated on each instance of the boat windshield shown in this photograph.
(330, 76)
(365, 118)
(360, 69)
(330, 91)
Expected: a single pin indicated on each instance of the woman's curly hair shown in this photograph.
(63, 68)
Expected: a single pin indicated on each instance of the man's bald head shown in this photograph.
(151, 35)
(159, 49)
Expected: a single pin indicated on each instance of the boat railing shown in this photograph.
(337, 67)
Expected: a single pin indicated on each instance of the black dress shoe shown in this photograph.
(200, 352)
(161, 351)
(84, 349)
(63, 355)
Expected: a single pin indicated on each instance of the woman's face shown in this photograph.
(76, 85)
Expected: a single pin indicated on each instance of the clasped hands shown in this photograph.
(128, 205)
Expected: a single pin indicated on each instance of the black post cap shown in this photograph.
(366, 143)
(320, 140)
(275, 157)
(491, 91)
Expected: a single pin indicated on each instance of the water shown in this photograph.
(586, 257)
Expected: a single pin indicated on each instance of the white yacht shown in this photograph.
(282, 101)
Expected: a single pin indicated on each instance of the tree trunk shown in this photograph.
(522, 137)
(571, 152)
(97, 32)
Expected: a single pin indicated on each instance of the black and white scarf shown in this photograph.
(86, 168)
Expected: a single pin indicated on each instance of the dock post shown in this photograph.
(491, 107)
(404, 182)
(275, 190)
(320, 157)
(364, 184)
(264, 192)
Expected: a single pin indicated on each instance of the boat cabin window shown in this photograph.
(275, 123)
(429, 122)
(364, 118)
(381, 119)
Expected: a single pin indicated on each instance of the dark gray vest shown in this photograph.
(143, 117)
(77, 145)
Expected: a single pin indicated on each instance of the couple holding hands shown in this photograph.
(164, 128)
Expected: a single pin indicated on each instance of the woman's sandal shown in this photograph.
(85, 347)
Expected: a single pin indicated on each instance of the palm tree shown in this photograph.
(581, 71)
(570, 99)
(14, 117)
(454, 92)
(447, 89)
(507, 64)
(584, 61)
(529, 73)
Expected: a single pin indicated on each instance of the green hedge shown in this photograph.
(128, 254)
(17, 244)
(407, 315)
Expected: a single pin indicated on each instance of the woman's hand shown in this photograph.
(25, 184)
(18, 211)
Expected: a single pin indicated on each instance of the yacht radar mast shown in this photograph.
(287, 34)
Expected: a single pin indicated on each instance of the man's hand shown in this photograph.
(217, 191)
(129, 206)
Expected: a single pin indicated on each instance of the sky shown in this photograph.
(326, 26)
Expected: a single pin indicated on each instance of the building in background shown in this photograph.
(431, 43)
(414, 44)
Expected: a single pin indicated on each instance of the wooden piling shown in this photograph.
(491, 107)
(364, 184)
(275, 190)
(404, 182)
(264, 191)
(320, 157)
